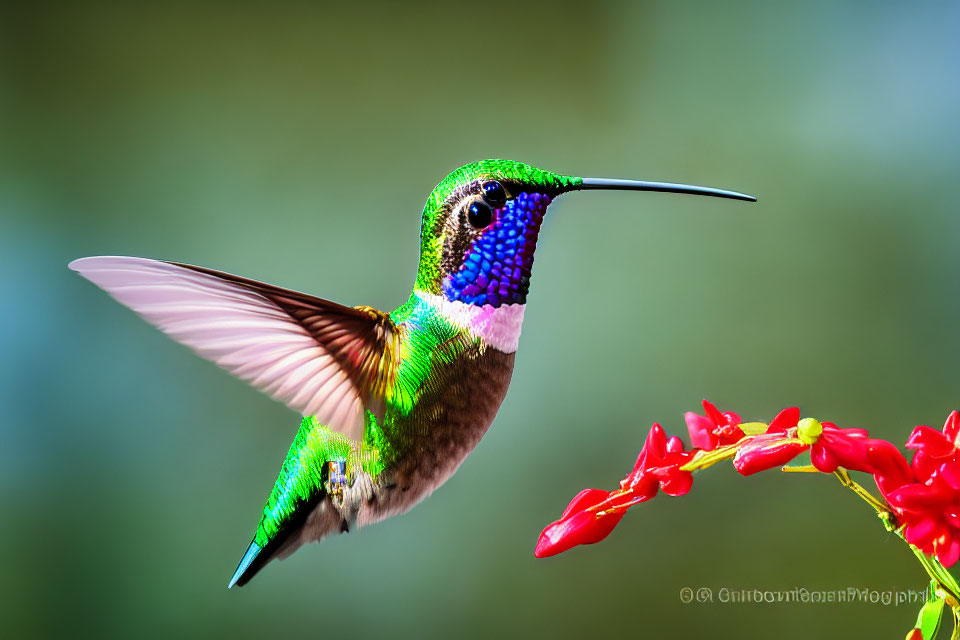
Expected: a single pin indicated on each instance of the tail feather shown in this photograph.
(298, 510)
(312, 521)
(245, 563)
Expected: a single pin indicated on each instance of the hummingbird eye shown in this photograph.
(479, 215)
(494, 193)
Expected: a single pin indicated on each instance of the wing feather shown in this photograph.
(319, 357)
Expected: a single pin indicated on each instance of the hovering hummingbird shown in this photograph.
(393, 402)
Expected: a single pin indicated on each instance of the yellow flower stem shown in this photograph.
(867, 497)
(704, 459)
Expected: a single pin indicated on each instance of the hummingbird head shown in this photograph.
(480, 227)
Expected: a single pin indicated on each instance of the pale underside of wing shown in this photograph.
(284, 343)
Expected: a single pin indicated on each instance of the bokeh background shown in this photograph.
(296, 143)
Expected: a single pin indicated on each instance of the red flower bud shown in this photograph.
(701, 431)
(765, 452)
(852, 449)
(714, 429)
(577, 525)
(887, 461)
(917, 496)
(932, 442)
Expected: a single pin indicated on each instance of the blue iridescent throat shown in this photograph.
(496, 270)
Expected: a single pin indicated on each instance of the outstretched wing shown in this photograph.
(321, 358)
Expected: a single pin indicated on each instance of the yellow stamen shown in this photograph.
(753, 428)
(806, 468)
(809, 430)
(704, 459)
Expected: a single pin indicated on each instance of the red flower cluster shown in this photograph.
(928, 502)
(714, 429)
(593, 513)
(830, 447)
(924, 495)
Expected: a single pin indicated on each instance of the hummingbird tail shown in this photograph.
(299, 510)
(244, 567)
(312, 522)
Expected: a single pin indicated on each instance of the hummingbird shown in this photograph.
(392, 403)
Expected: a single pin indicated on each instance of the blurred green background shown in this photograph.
(296, 143)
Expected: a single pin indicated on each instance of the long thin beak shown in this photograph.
(669, 187)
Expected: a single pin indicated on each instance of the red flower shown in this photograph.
(830, 447)
(936, 451)
(578, 524)
(772, 449)
(928, 503)
(853, 449)
(593, 513)
(658, 467)
(714, 429)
